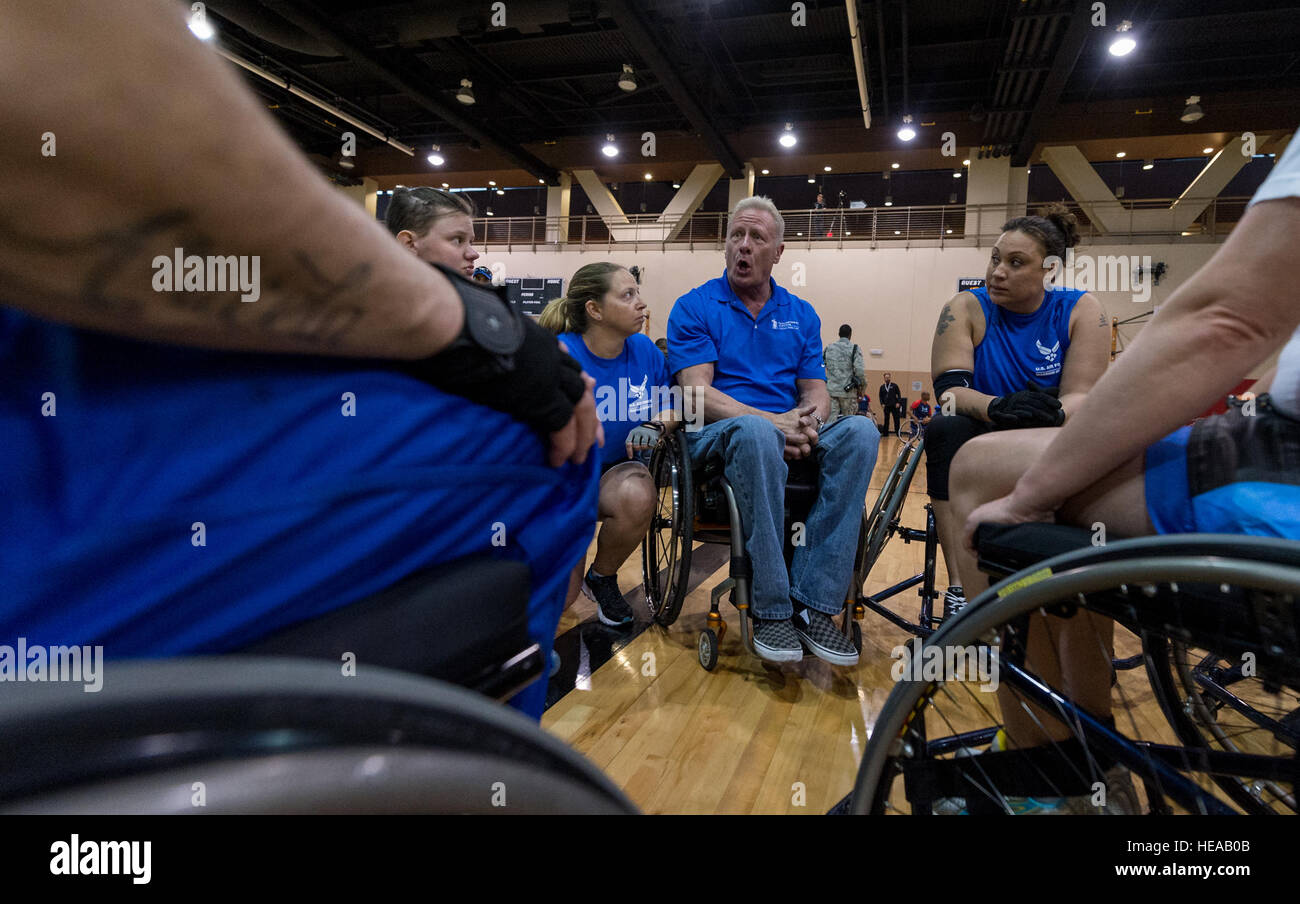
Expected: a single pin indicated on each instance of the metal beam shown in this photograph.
(369, 61)
(640, 36)
(1063, 63)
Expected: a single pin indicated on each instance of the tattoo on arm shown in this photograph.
(118, 277)
(945, 318)
(1101, 319)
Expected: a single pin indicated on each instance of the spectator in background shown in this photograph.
(921, 409)
(890, 402)
(483, 276)
(864, 405)
(435, 225)
(662, 344)
(845, 373)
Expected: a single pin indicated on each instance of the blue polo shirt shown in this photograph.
(756, 360)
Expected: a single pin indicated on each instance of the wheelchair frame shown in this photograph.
(1135, 582)
(666, 582)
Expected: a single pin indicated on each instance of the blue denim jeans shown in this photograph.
(751, 448)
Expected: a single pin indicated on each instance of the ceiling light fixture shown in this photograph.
(466, 93)
(788, 139)
(1192, 112)
(893, 166)
(907, 133)
(436, 158)
(1124, 44)
(1149, 164)
(1121, 154)
(627, 81)
(610, 149)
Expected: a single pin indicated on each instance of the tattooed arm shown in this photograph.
(158, 146)
(961, 325)
(1088, 354)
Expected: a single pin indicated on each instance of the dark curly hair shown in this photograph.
(1056, 230)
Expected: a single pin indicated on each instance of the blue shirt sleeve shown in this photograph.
(810, 361)
(689, 340)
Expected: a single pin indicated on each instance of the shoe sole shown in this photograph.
(600, 613)
(772, 654)
(827, 655)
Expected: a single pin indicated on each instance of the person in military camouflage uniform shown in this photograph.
(845, 374)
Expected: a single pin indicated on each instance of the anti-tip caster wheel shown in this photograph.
(708, 649)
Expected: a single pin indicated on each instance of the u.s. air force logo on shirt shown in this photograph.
(638, 401)
(1052, 365)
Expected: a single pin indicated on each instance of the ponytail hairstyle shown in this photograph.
(416, 209)
(569, 314)
(1055, 231)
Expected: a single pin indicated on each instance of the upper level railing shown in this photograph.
(1128, 221)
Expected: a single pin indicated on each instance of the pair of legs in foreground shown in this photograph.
(1073, 655)
(752, 451)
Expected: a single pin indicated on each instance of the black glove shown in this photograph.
(1031, 407)
(504, 360)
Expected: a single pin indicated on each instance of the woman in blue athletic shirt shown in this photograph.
(599, 321)
(1016, 353)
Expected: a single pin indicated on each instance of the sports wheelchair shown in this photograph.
(697, 503)
(1216, 620)
(281, 727)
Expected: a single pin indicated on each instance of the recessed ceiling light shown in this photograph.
(965, 163)
(956, 175)
(826, 168)
(898, 232)
(492, 182)
(1207, 150)
(677, 185)
(1121, 154)
(812, 179)
(648, 177)
(501, 191)
(798, 233)
(766, 172)
(893, 166)
(1150, 164)
(949, 232)
(446, 185)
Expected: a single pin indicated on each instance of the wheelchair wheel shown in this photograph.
(876, 527)
(941, 731)
(1220, 703)
(708, 649)
(666, 550)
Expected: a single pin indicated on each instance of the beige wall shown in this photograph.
(891, 297)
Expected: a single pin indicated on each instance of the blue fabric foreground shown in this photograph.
(164, 501)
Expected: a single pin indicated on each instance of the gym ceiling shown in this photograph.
(717, 81)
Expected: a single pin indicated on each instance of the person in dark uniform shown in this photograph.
(890, 403)
(1015, 353)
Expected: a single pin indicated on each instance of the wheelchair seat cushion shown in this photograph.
(1008, 548)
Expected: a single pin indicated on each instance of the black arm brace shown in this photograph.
(952, 379)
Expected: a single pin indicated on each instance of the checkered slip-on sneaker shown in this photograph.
(826, 641)
(775, 640)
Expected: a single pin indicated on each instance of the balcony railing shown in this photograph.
(1130, 221)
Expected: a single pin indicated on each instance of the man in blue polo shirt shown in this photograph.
(755, 352)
